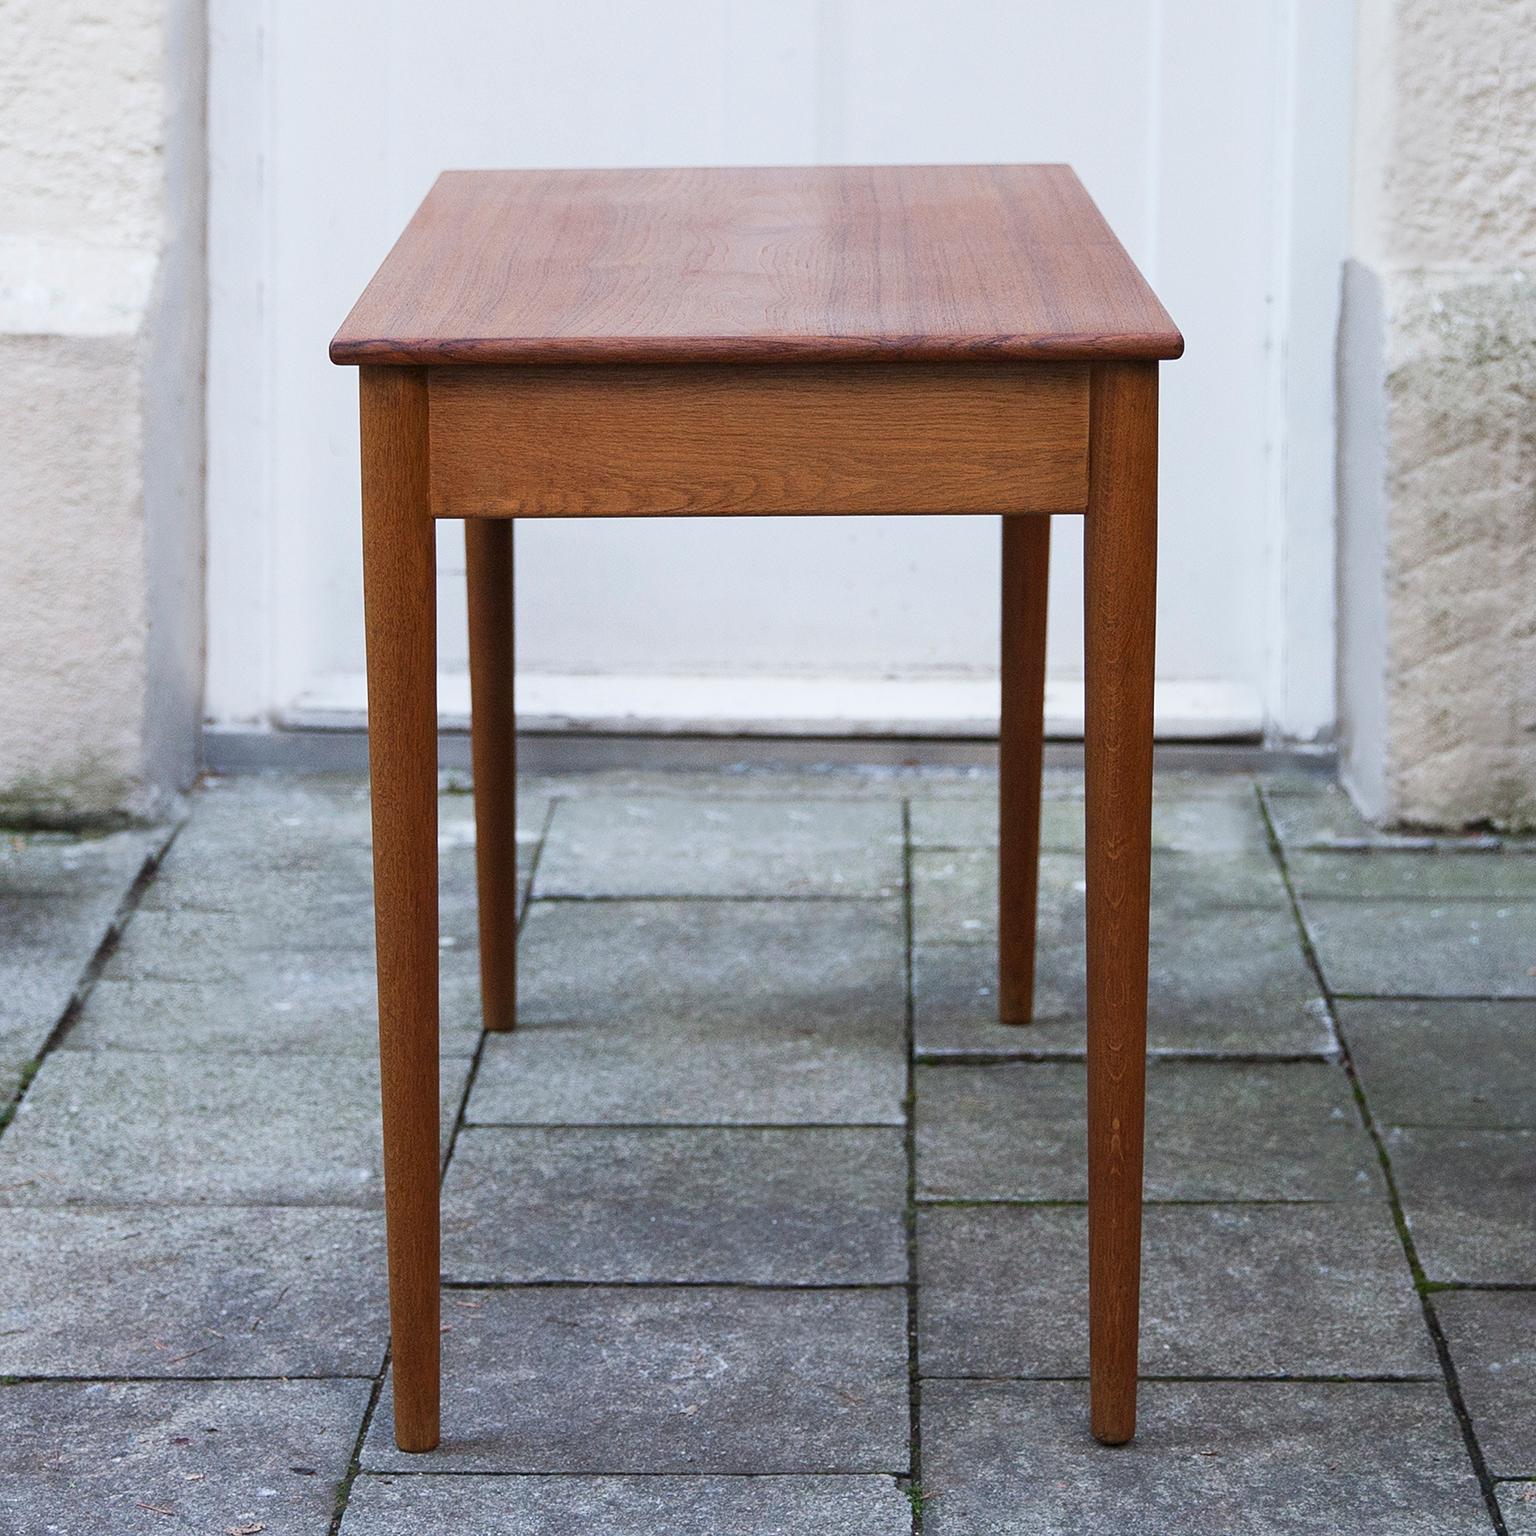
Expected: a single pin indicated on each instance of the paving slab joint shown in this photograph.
(1405, 1236)
(94, 966)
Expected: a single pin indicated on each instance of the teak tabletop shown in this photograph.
(975, 263)
(811, 341)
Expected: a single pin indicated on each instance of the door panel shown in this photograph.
(329, 122)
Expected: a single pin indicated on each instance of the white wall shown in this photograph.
(1211, 134)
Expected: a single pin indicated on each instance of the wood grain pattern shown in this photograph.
(1120, 598)
(800, 264)
(400, 617)
(711, 440)
(493, 751)
(1021, 742)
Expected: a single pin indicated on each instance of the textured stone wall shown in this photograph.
(1438, 473)
(101, 339)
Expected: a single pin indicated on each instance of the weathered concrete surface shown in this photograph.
(237, 1291)
(1492, 1338)
(1215, 1131)
(1324, 818)
(1414, 876)
(1189, 815)
(1456, 1064)
(1467, 1197)
(139, 1458)
(709, 1012)
(712, 1091)
(701, 1379)
(1468, 948)
(1228, 1290)
(1225, 972)
(59, 899)
(954, 893)
(798, 1206)
(1207, 997)
(104, 1128)
(725, 848)
(306, 860)
(1373, 1459)
(628, 1506)
(1517, 1503)
(272, 1005)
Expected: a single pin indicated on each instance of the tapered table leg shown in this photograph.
(399, 591)
(1120, 585)
(1026, 570)
(493, 747)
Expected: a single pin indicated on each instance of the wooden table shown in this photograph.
(740, 343)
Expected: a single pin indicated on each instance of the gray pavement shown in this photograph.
(759, 1223)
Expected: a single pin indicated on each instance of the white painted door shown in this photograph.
(1213, 135)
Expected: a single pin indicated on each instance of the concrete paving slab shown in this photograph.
(1517, 1504)
(59, 898)
(255, 808)
(1232, 983)
(267, 817)
(318, 892)
(1408, 876)
(1228, 1290)
(107, 1128)
(627, 1506)
(1223, 817)
(1470, 948)
(136, 1458)
(782, 1207)
(703, 1013)
(760, 774)
(203, 874)
(646, 847)
(1210, 1459)
(298, 1005)
(1456, 1064)
(260, 866)
(1492, 1339)
(297, 808)
(1324, 817)
(693, 1073)
(1467, 1198)
(1215, 1131)
(74, 866)
(694, 1379)
(954, 893)
(234, 1291)
(736, 962)
(191, 945)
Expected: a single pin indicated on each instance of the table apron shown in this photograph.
(713, 441)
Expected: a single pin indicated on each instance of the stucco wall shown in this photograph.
(101, 340)
(1438, 463)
